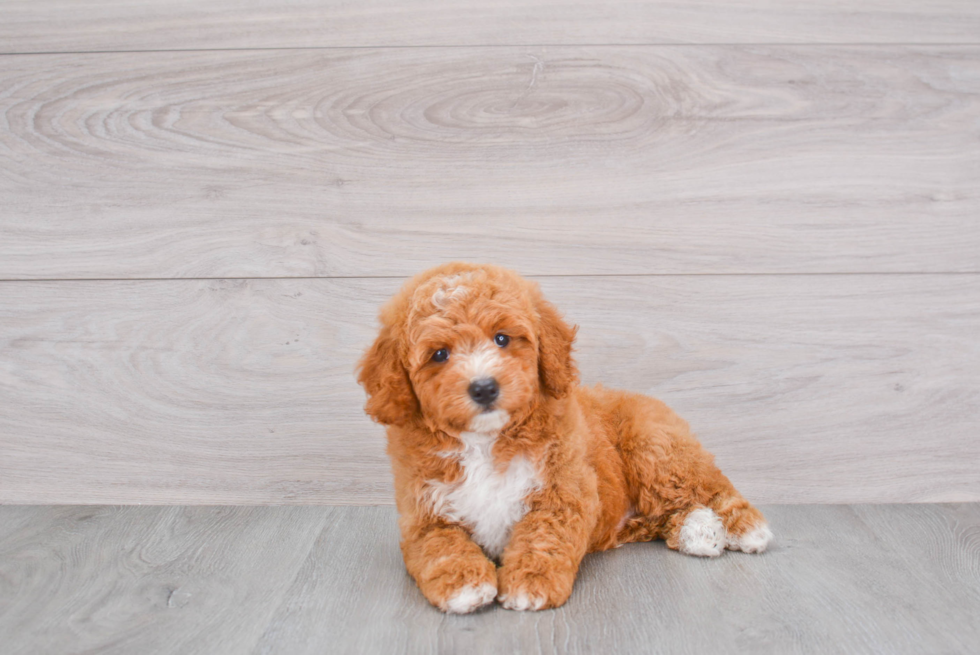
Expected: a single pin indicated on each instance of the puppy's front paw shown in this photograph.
(524, 590)
(459, 585)
(520, 601)
(470, 598)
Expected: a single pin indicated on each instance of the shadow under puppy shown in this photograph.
(499, 456)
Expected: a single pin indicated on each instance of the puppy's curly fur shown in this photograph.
(500, 457)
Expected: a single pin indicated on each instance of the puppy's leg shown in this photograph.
(542, 559)
(709, 525)
(745, 525)
(450, 569)
(678, 490)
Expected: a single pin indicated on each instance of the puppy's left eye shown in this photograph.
(501, 340)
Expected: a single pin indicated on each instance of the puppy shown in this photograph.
(499, 457)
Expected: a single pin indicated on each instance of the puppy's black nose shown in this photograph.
(484, 391)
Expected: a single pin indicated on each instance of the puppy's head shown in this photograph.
(466, 348)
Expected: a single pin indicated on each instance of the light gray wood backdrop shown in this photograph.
(128, 25)
(767, 216)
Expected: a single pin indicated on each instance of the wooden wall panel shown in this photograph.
(766, 213)
(552, 160)
(824, 388)
(68, 26)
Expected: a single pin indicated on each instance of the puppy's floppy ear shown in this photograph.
(555, 338)
(391, 399)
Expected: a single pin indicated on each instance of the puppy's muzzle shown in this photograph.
(484, 392)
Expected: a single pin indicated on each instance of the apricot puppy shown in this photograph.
(500, 457)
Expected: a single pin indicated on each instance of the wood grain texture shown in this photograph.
(66, 26)
(368, 162)
(856, 579)
(160, 579)
(807, 388)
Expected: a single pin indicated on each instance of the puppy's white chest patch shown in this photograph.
(487, 501)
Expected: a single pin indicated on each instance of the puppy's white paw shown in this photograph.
(471, 598)
(521, 602)
(755, 540)
(703, 534)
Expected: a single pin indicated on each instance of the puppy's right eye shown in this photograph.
(440, 355)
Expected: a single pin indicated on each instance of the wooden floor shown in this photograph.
(857, 579)
(765, 213)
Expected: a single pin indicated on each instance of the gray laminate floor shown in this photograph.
(860, 578)
(871, 578)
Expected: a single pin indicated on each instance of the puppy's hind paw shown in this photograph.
(703, 534)
(754, 540)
